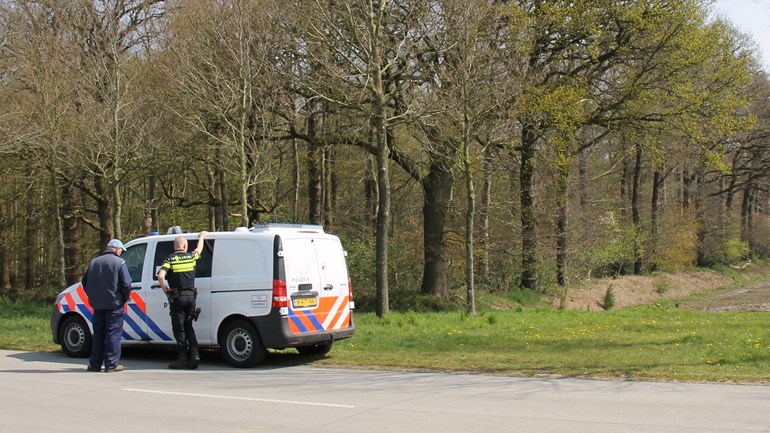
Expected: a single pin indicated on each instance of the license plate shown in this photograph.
(304, 302)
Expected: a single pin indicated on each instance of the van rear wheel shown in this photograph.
(319, 349)
(75, 337)
(241, 345)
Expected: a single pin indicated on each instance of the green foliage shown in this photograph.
(361, 263)
(677, 241)
(723, 251)
(662, 286)
(616, 251)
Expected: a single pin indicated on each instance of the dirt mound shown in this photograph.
(636, 290)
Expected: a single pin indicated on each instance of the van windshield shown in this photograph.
(134, 257)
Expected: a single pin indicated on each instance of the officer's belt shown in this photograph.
(187, 289)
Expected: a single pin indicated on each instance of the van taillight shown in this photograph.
(350, 289)
(279, 294)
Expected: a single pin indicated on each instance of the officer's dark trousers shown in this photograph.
(108, 327)
(181, 311)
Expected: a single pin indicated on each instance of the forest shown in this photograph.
(455, 146)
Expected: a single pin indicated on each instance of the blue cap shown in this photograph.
(116, 244)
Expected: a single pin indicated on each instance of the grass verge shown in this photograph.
(653, 342)
(644, 343)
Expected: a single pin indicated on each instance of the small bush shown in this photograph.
(609, 298)
(662, 287)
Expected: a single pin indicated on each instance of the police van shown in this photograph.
(270, 286)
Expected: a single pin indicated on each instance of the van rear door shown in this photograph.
(316, 285)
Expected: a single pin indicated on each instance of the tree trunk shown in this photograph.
(225, 203)
(5, 263)
(5, 259)
(150, 208)
(636, 212)
(103, 212)
(330, 189)
(437, 191)
(624, 186)
(746, 213)
(486, 204)
(71, 232)
(33, 233)
(654, 209)
(370, 193)
(117, 208)
(562, 254)
(383, 215)
(469, 220)
(56, 199)
(583, 180)
(254, 209)
(314, 181)
(529, 279)
(295, 179)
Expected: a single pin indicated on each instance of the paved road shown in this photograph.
(48, 392)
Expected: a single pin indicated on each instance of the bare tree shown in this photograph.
(220, 59)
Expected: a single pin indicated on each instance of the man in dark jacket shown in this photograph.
(108, 285)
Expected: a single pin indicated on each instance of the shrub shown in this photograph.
(609, 298)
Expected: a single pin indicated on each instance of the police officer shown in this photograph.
(177, 279)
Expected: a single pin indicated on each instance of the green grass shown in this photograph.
(646, 343)
(26, 326)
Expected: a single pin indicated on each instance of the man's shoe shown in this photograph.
(92, 368)
(115, 369)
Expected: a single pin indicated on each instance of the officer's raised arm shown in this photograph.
(201, 235)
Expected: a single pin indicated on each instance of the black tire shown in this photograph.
(318, 349)
(241, 345)
(75, 338)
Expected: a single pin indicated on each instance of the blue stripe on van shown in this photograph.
(86, 313)
(150, 323)
(156, 329)
(135, 326)
(316, 323)
(293, 315)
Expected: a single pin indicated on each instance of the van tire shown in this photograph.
(319, 349)
(75, 338)
(241, 345)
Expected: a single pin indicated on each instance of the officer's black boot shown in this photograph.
(182, 360)
(195, 358)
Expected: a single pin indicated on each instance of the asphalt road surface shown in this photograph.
(48, 392)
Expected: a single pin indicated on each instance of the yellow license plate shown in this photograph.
(304, 302)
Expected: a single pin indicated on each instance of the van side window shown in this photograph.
(202, 267)
(134, 257)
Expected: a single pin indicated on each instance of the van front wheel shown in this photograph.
(75, 337)
(241, 345)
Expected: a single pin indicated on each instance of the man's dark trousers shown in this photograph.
(108, 327)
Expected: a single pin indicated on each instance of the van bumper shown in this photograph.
(274, 331)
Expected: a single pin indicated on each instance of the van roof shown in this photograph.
(259, 229)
